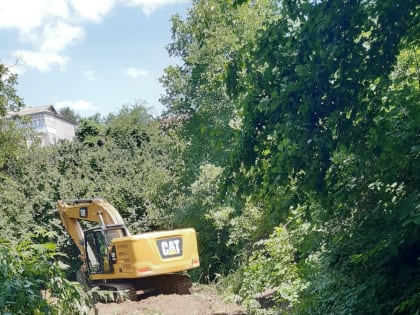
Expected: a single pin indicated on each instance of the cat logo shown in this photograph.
(170, 247)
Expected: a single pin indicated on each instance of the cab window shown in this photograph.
(97, 252)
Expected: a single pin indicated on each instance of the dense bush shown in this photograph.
(33, 281)
(318, 102)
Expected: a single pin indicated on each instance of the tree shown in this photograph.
(9, 100)
(199, 109)
(13, 148)
(329, 138)
(196, 95)
(11, 138)
(68, 113)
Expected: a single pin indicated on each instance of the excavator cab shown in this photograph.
(99, 253)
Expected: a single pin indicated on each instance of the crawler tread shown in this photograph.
(175, 284)
(127, 288)
(184, 285)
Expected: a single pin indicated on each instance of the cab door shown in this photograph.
(97, 254)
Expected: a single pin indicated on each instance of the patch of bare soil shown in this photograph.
(202, 301)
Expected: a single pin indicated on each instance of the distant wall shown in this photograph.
(52, 127)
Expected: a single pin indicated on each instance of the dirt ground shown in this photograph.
(202, 301)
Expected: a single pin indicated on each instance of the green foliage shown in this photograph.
(321, 135)
(206, 41)
(12, 138)
(200, 111)
(32, 281)
(68, 113)
(88, 131)
(9, 100)
(14, 210)
(272, 266)
(334, 127)
(198, 209)
(13, 143)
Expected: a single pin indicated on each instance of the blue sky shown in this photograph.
(91, 55)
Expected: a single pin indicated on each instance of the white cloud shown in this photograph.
(41, 60)
(48, 27)
(53, 39)
(92, 10)
(135, 72)
(90, 75)
(79, 105)
(27, 15)
(149, 6)
(57, 36)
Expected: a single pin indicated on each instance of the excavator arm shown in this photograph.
(93, 210)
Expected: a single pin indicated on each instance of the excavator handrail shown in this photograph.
(76, 201)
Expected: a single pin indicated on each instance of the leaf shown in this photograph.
(417, 220)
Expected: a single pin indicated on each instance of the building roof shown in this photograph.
(37, 110)
(45, 109)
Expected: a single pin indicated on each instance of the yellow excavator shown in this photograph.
(115, 260)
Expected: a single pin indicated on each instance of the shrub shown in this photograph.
(32, 281)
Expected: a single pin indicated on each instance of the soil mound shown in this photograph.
(202, 301)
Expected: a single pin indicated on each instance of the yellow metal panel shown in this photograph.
(139, 256)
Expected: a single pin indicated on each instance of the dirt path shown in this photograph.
(202, 301)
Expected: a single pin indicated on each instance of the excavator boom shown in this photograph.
(93, 210)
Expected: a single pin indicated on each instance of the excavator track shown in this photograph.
(165, 284)
(175, 284)
(123, 290)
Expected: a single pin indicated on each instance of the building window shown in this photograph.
(38, 121)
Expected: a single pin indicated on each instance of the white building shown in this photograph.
(49, 123)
